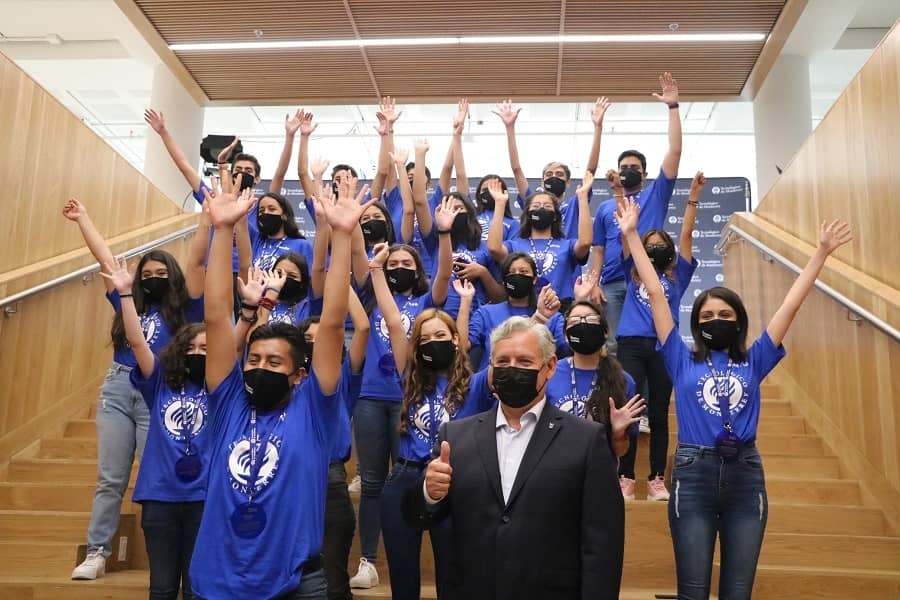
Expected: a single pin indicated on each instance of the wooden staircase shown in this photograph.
(823, 540)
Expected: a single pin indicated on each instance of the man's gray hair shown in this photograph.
(516, 324)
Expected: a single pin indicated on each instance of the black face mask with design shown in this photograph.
(269, 224)
(542, 218)
(518, 286)
(719, 334)
(631, 178)
(267, 389)
(436, 355)
(555, 186)
(374, 230)
(155, 287)
(401, 279)
(516, 387)
(586, 338)
(244, 180)
(195, 368)
(660, 256)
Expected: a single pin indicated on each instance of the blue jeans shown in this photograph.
(711, 496)
(377, 425)
(170, 529)
(615, 300)
(313, 586)
(403, 544)
(122, 421)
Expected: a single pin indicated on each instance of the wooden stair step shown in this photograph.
(81, 428)
(822, 551)
(828, 583)
(50, 525)
(121, 585)
(48, 496)
(787, 490)
(68, 447)
(63, 470)
(36, 558)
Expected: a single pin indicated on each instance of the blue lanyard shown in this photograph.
(187, 428)
(539, 257)
(723, 392)
(256, 465)
(576, 397)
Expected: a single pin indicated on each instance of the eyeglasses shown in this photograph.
(589, 319)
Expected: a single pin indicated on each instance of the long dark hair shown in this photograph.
(419, 382)
(478, 189)
(290, 225)
(389, 225)
(172, 306)
(299, 261)
(669, 271)
(525, 220)
(471, 239)
(507, 264)
(737, 352)
(171, 358)
(422, 284)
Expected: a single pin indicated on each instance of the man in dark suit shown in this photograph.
(532, 491)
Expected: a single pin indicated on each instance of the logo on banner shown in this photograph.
(737, 393)
(175, 416)
(239, 464)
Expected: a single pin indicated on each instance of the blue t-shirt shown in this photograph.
(555, 259)
(267, 250)
(487, 318)
(381, 380)
(654, 203)
(294, 314)
(696, 402)
(510, 225)
(563, 397)
(156, 331)
(340, 445)
(177, 418)
(462, 254)
(290, 488)
(637, 318)
(424, 421)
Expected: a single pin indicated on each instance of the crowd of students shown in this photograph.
(238, 379)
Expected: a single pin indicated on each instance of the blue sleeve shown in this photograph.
(520, 199)
(599, 228)
(325, 408)
(764, 355)
(437, 195)
(114, 299)
(684, 271)
(574, 257)
(479, 392)
(558, 330)
(198, 193)
(394, 202)
(195, 310)
(476, 328)
(253, 223)
(676, 355)
(315, 306)
(148, 386)
(230, 391)
(656, 204)
(307, 203)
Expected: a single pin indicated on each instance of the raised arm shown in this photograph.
(389, 310)
(466, 292)
(360, 337)
(75, 211)
(320, 246)
(225, 210)
(686, 240)
(291, 125)
(251, 293)
(669, 96)
(423, 211)
(122, 279)
(443, 216)
(306, 129)
(831, 237)
(273, 282)
(459, 123)
(398, 163)
(359, 260)
(627, 216)
(386, 177)
(598, 111)
(225, 179)
(157, 123)
(343, 216)
(195, 267)
(495, 243)
(585, 225)
(508, 114)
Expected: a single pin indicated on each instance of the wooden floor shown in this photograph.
(823, 541)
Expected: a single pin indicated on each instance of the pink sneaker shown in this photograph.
(627, 486)
(656, 489)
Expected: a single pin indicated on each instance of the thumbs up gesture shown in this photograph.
(438, 474)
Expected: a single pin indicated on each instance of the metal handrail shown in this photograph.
(82, 272)
(829, 291)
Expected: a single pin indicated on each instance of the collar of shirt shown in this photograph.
(535, 410)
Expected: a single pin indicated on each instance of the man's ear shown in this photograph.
(297, 376)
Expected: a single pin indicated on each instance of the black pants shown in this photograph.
(640, 359)
(340, 524)
(170, 529)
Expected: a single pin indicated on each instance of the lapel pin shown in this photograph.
(551, 425)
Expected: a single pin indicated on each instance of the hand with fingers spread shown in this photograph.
(120, 275)
(252, 289)
(272, 280)
(74, 210)
(444, 214)
(464, 289)
(343, 214)
(587, 182)
(306, 124)
(388, 109)
(834, 235)
(400, 156)
(462, 112)
(421, 146)
(598, 111)
(438, 474)
(155, 120)
(669, 88)
(318, 168)
(620, 419)
(584, 285)
(507, 112)
(547, 303)
(627, 216)
(227, 208)
(292, 124)
(500, 196)
(225, 154)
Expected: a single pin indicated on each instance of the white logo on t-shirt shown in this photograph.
(422, 419)
(175, 418)
(239, 465)
(737, 398)
(151, 325)
(572, 405)
(383, 327)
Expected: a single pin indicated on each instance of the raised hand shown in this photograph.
(421, 146)
(620, 419)
(598, 111)
(464, 288)
(227, 150)
(292, 124)
(74, 210)
(227, 208)
(343, 215)
(468, 271)
(272, 280)
(507, 112)
(379, 255)
(327, 197)
(614, 179)
(251, 290)
(120, 275)
(669, 87)
(584, 285)
(306, 123)
(155, 120)
(627, 216)
(400, 155)
(384, 126)
(438, 474)
(444, 214)
(547, 302)
(462, 111)
(697, 183)
(497, 192)
(586, 182)
(318, 168)
(834, 235)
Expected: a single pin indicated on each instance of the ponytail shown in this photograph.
(610, 379)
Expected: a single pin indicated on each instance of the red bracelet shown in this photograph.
(267, 303)
(375, 267)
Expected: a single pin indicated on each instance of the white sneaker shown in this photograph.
(366, 576)
(94, 566)
(355, 485)
(644, 425)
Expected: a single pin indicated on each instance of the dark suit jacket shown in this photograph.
(561, 535)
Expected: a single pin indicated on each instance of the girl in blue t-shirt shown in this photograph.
(637, 339)
(398, 278)
(288, 297)
(485, 204)
(718, 484)
(166, 299)
(274, 232)
(438, 386)
(540, 235)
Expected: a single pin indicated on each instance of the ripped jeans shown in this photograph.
(712, 497)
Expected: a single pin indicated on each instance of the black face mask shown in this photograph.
(436, 355)
(719, 334)
(155, 287)
(460, 224)
(518, 286)
(516, 387)
(401, 279)
(293, 291)
(631, 178)
(269, 224)
(267, 389)
(660, 256)
(586, 338)
(487, 201)
(555, 186)
(542, 218)
(244, 180)
(374, 230)
(195, 368)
